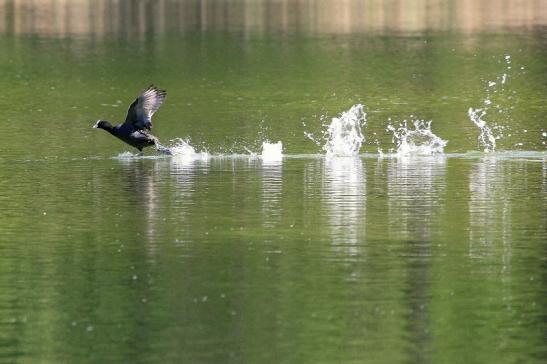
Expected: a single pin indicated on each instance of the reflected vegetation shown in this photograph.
(142, 18)
(180, 257)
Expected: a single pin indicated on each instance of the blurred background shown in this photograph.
(139, 19)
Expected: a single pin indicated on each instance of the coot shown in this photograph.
(135, 130)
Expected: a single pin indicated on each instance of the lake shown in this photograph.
(403, 220)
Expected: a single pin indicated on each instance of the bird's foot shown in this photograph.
(163, 150)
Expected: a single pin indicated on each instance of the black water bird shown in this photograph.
(135, 130)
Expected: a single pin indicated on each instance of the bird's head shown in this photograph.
(103, 124)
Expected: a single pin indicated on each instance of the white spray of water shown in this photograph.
(344, 136)
(488, 134)
(487, 140)
(420, 141)
(179, 147)
(126, 155)
(272, 151)
(311, 137)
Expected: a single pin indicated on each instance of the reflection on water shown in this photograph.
(489, 210)
(272, 191)
(490, 222)
(141, 188)
(344, 193)
(141, 18)
(184, 170)
(387, 260)
(415, 187)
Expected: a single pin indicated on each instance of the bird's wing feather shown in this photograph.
(141, 110)
(144, 136)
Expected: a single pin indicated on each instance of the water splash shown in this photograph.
(344, 136)
(126, 155)
(491, 131)
(487, 140)
(420, 141)
(179, 147)
(272, 151)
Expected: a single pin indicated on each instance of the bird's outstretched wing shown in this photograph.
(139, 114)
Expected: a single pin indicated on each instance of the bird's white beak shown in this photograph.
(96, 125)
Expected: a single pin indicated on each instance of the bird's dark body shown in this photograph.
(137, 138)
(135, 131)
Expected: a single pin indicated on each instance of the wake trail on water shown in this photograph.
(345, 134)
(182, 149)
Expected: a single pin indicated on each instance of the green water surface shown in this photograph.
(232, 259)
